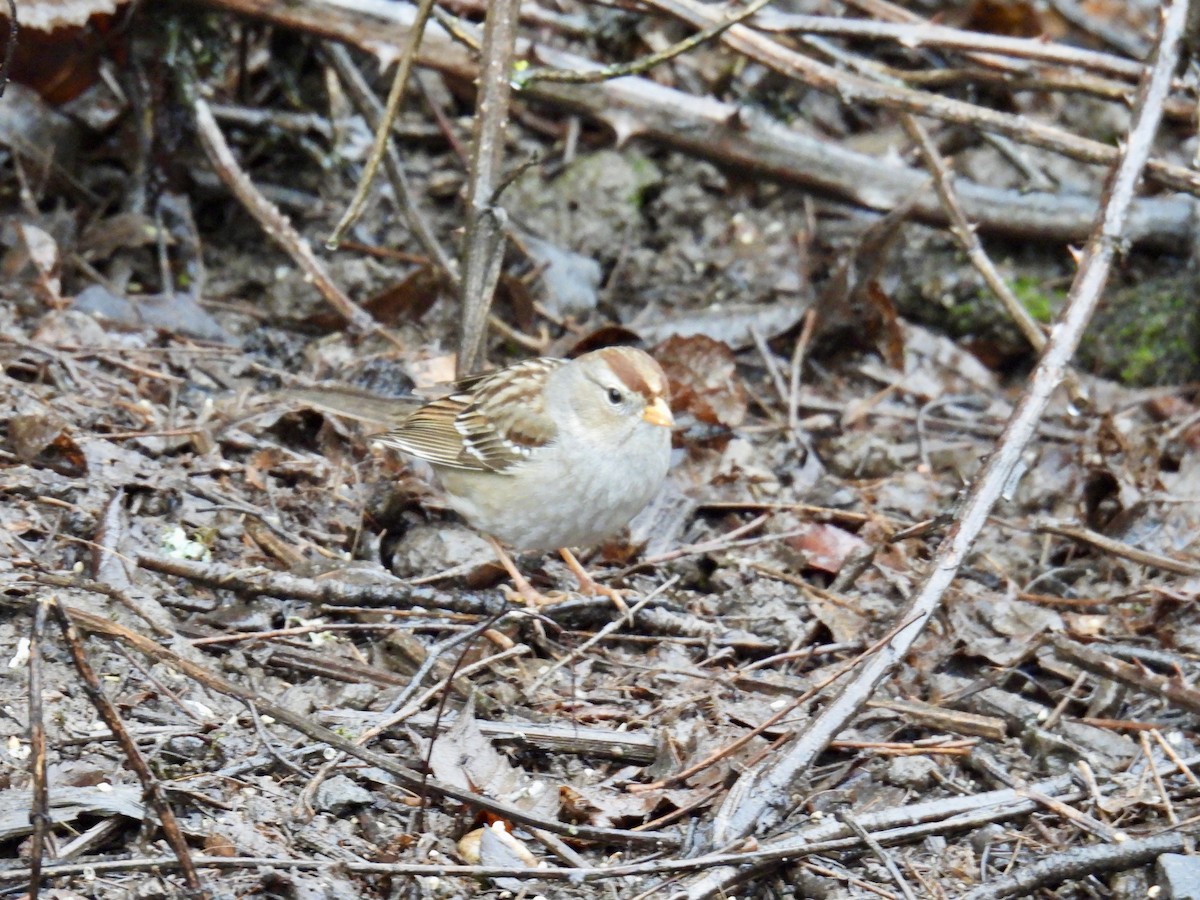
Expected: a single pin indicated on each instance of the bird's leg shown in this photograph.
(531, 595)
(589, 585)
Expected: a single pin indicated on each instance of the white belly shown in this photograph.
(558, 500)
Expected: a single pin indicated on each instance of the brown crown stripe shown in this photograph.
(629, 366)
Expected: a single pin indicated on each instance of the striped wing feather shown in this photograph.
(488, 423)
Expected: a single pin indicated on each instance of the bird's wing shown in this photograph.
(488, 423)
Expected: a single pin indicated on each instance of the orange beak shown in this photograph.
(658, 413)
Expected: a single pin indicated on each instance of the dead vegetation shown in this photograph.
(915, 614)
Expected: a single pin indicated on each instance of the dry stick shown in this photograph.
(797, 366)
(1169, 807)
(253, 581)
(1119, 548)
(926, 34)
(39, 812)
(1080, 819)
(640, 66)
(371, 110)
(850, 89)
(888, 863)
(600, 635)
(733, 746)
(1174, 757)
(388, 718)
(483, 244)
(961, 229)
(274, 223)
(1081, 863)
(98, 587)
(728, 135)
(383, 125)
(1119, 35)
(1170, 690)
(759, 798)
(404, 776)
(889, 826)
(151, 786)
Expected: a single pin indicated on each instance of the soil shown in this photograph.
(185, 455)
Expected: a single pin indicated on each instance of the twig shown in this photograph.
(133, 757)
(797, 367)
(371, 110)
(1119, 548)
(1082, 862)
(965, 234)
(888, 863)
(483, 243)
(728, 134)
(599, 636)
(646, 63)
(926, 34)
(274, 224)
(850, 89)
(1152, 765)
(403, 775)
(147, 615)
(389, 591)
(778, 716)
(383, 124)
(1170, 690)
(751, 803)
(39, 810)
(889, 826)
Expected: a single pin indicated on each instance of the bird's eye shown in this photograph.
(615, 397)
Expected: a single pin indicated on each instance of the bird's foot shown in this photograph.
(591, 587)
(526, 594)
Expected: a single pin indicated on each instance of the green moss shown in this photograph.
(1040, 304)
(1146, 335)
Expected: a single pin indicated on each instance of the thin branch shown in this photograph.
(757, 800)
(646, 63)
(39, 809)
(730, 135)
(151, 786)
(274, 223)
(383, 125)
(371, 110)
(403, 775)
(961, 229)
(483, 244)
(851, 89)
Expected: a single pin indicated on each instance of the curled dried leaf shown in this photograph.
(704, 380)
(42, 440)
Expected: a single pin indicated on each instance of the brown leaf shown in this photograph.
(891, 344)
(122, 231)
(59, 62)
(730, 323)
(1006, 17)
(408, 299)
(219, 845)
(42, 440)
(826, 547)
(704, 380)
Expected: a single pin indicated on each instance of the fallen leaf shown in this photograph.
(704, 380)
(41, 439)
(826, 547)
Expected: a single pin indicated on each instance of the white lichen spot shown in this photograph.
(21, 658)
(18, 749)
